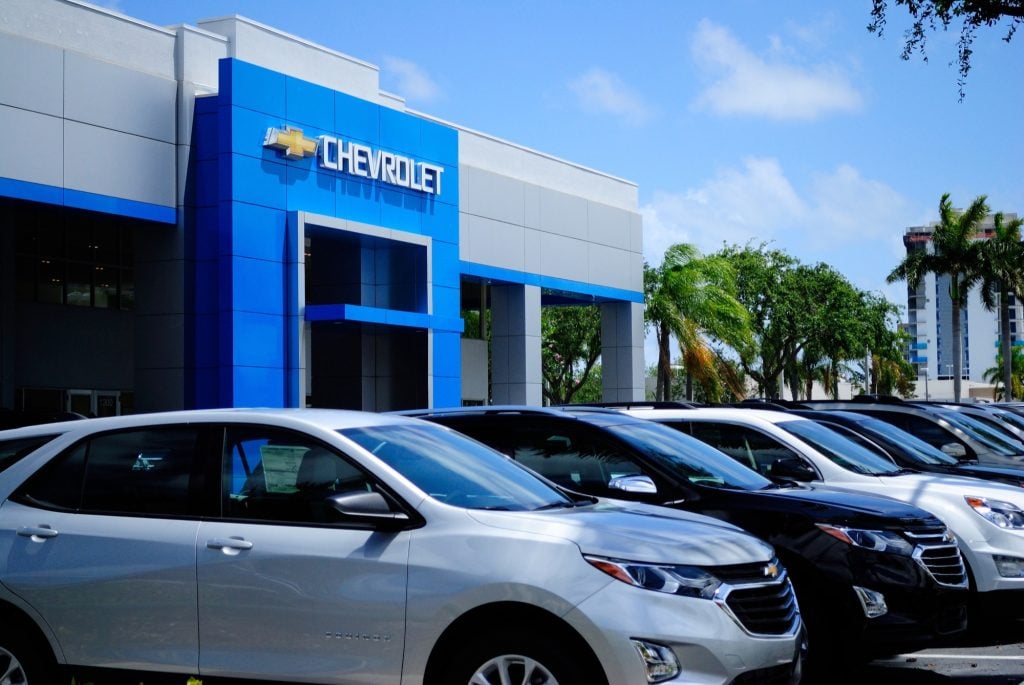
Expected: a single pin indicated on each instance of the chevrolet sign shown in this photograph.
(356, 159)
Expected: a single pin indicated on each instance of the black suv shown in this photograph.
(905, 449)
(938, 427)
(873, 575)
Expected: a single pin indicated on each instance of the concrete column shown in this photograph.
(515, 345)
(622, 351)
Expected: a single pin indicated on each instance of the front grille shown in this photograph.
(939, 557)
(759, 597)
(764, 610)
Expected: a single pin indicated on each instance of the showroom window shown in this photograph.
(73, 257)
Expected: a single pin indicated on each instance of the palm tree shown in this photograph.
(994, 374)
(692, 298)
(1003, 274)
(955, 252)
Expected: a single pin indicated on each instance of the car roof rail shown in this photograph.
(477, 410)
(878, 399)
(638, 404)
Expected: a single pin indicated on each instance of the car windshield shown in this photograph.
(456, 470)
(688, 457)
(916, 448)
(839, 449)
(982, 433)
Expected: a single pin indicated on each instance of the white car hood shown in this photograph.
(638, 532)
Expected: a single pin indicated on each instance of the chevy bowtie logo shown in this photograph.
(771, 570)
(291, 140)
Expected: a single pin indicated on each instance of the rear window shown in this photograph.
(11, 451)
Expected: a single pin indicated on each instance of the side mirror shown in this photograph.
(792, 469)
(954, 449)
(636, 484)
(368, 507)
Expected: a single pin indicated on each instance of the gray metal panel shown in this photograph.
(494, 243)
(609, 225)
(608, 266)
(563, 214)
(490, 195)
(636, 232)
(531, 208)
(33, 153)
(32, 77)
(118, 98)
(159, 341)
(98, 160)
(564, 257)
(531, 251)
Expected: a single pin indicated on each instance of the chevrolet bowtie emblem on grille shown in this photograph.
(291, 140)
(771, 570)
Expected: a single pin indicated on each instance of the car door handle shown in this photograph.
(37, 533)
(229, 545)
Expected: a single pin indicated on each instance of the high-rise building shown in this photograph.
(930, 324)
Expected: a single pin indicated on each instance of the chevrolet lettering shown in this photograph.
(356, 159)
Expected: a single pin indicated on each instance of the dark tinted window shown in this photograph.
(146, 472)
(12, 451)
(275, 475)
(746, 445)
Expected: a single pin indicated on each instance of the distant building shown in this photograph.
(930, 324)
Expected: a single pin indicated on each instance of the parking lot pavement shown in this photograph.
(998, 660)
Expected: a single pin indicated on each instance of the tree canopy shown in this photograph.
(931, 15)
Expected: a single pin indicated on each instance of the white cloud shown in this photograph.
(744, 83)
(841, 218)
(409, 80)
(601, 91)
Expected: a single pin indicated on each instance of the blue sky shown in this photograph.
(739, 120)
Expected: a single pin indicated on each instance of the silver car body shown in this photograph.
(330, 604)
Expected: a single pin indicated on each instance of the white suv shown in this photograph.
(986, 517)
(320, 546)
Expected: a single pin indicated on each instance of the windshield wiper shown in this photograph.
(555, 505)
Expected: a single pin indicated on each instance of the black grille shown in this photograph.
(944, 563)
(939, 557)
(766, 609)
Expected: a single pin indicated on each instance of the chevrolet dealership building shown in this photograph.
(228, 215)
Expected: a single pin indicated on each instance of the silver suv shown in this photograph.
(321, 546)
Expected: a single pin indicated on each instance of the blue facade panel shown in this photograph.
(246, 317)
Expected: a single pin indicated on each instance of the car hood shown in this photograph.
(914, 487)
(829, 505)
(990, 471)
(638, 532)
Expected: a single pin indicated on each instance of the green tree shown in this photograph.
(762, 286)
(570, 347)
(1003, 274)
(931, 15)
(692, 297)
(954, 252)
(994, 374)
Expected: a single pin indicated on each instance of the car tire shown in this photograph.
(23, 661)
(504, 657)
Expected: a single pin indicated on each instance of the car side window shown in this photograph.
(11, 451)
(141, 472)
(746, 445)
(576, 459)
(277, 475)
(934, 434)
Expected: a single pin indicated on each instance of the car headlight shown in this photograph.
(875, 540)
(1002, 514)
(689, 581)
